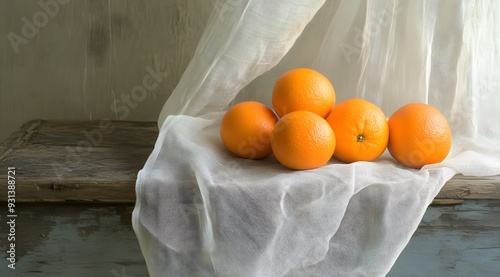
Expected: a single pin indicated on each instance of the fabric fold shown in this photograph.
(201, 211)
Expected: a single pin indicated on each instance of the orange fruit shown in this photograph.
(419, 135)
(303, 140)
(303, 89)
(246, 130)
(361, 130)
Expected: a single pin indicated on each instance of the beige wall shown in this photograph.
(93, 59)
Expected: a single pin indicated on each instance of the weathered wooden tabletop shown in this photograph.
(84, 161)
(98, 161)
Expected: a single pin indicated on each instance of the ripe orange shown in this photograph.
(419, 135)
(303, 140)
(303, 89)
(246, 130)
(361, 130)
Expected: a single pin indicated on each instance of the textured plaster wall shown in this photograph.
(93, 59)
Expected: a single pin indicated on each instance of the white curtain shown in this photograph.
(202, 212)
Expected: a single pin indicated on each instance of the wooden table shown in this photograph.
(75, 189)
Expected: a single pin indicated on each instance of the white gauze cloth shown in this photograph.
(201, 211)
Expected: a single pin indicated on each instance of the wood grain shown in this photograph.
(61, 239)
(98, 161)
(75, 240)
(91, 55)
(462, 240)
(78, 160)
(470, 187)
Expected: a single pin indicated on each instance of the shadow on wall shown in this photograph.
(93, 59)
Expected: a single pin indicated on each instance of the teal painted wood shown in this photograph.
(97, 240)
(460, 240)
(66, 240)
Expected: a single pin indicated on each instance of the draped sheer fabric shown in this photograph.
(202, 212)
